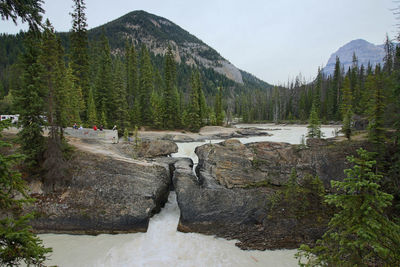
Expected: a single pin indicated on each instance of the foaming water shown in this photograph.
(162, 245)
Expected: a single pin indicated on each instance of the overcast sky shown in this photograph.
(272, 39)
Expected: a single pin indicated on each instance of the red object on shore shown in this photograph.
(95, 128)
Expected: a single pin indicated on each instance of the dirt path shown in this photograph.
(102, 148)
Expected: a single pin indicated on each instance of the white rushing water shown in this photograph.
(162, 245)
(280, 133)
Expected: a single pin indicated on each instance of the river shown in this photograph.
(162, 245)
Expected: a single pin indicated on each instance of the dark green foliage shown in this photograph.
(302, 198)
(91, 110)
(347, 107)
(17, 242)
(29, 11)
(132, 74)
(120, 104)
(170, 104)
(104, 81)
(192, 120)
(314, 124)
(360, 234)
(79, 56)
(219, 113)
(30, 100)
(376, 85)
(146, 87)
(157, 110)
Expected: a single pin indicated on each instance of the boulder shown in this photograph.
(105, 195)
(147, 149)
(157, 148)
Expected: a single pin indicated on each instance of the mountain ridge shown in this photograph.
(365, 51)
(157, 33)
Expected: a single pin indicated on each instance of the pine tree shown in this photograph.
(388, 62)
(120, 105)
(104, 80)
(376, 85)
(346, 107)
(28, 11)
(135, 114)
(157, 110)
(30, 102)
(146, 87)
(202, 100)
(18, 243)
(193, 120)
(79, 58)
(132, 75)
(91, 111)
(334, 92)
(360, 234)
(170, 105)
(75, 104)
(218, 108)
(314, 124)
(52, 59)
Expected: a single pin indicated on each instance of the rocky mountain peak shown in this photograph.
(366, 52)
(157, 33)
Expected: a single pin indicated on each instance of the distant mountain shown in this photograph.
(157, 33)
(365, 52)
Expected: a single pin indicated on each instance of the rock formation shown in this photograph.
(105, 195)
(231, 195)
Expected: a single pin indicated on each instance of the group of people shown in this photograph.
(75, 126)
(101, 127)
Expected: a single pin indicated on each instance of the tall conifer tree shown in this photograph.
(146, 87)
(104, 80)
(79, 57)
(170, 105)
(120, 103)
(29, 99)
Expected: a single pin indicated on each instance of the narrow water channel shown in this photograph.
(162, 244)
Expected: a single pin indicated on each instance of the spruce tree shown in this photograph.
(376, 85)
(334, 92)
(360, 234)
(120, 102)
(79, 57)
(193, 120)
(157, 110)
(314, 124)
(146, 87)
(219, 114)
(132, 74)
(75, 104)
(170, 105)
(346, 107)
(135, 114)
(17, 242)
(91, 110)
(202, 100)
(52, 59)
(104, 80)
(30, 100)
